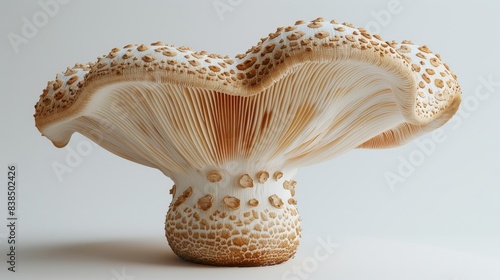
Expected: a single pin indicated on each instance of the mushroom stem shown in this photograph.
(234, 218)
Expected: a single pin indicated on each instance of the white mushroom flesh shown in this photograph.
(219, 127)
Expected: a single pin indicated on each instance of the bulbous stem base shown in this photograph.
(232, 225)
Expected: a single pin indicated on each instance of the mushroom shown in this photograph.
(232, 132)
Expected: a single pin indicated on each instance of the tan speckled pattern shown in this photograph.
(223, 223)
(259, 67)
(259, 238)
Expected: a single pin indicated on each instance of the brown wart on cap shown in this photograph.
(231, 133)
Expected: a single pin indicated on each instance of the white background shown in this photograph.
(104, 220)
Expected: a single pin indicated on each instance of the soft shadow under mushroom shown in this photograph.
(126, 251)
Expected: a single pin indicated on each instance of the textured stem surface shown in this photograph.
(234, 218)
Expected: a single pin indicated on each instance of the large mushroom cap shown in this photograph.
(231, 132)
(304, 94)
